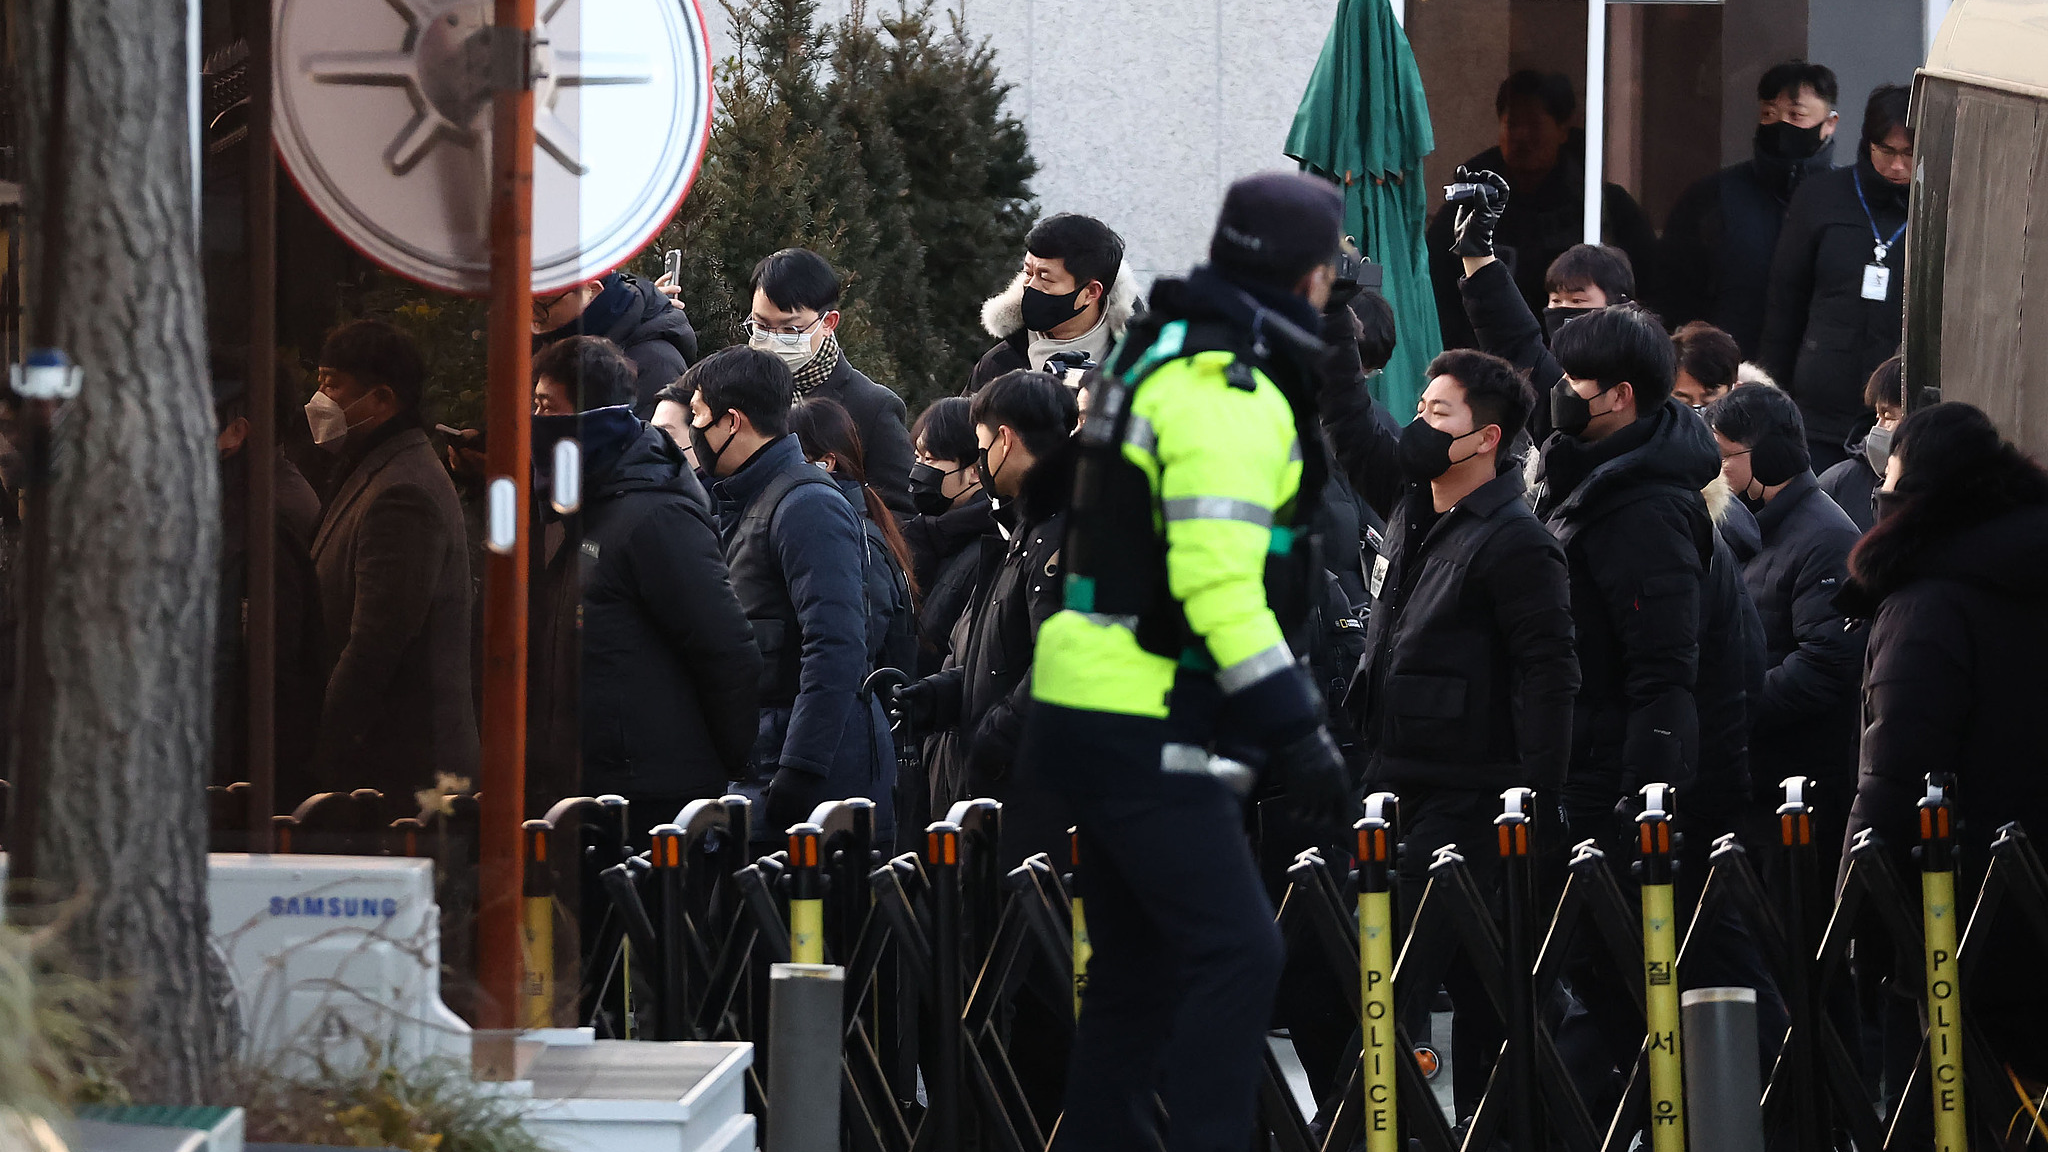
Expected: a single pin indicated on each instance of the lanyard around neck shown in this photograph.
(1883, 246)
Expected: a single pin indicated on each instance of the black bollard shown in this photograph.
(1518, 898)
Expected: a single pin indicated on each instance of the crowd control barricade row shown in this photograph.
(945, 954)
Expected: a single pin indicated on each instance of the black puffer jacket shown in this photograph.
(1731, 678)
(1719, 239)
(653, 333)
(1954, 683)
(884, 425)
(1821, 339)
(1807, 721)
(1639, 542)
(668, 666)
(945, 556)
(1469, 674)
(1850, 483)
(984, 693)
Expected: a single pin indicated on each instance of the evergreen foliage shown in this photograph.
(884, 147)
(881, 144)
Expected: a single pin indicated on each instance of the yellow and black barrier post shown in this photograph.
(1660, 971)
(537, 923)
(806, 894)
(1083, 951)
(1944, 991)
(1518, 898)
(1382, 1052)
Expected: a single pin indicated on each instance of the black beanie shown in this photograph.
(1276, 227)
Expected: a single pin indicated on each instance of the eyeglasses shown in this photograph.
(756, 328)
(1885, 152)
(542, 305)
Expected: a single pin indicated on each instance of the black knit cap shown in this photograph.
(1276, 227)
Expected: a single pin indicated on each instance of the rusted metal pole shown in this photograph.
(509, 464)
(260, 238)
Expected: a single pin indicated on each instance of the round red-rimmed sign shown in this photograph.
(383, 121)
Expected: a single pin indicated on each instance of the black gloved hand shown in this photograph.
(791, 797)
(1340, 366)
(1316, 782)
(916, 702)
(1484, 198)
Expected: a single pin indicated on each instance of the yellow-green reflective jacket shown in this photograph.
(1184, 505)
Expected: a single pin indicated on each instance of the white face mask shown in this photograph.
(328, 419)
(795, 348)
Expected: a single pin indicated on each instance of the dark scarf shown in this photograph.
(820, 368)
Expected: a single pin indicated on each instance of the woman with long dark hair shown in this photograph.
(1954, 577)
(830, 440)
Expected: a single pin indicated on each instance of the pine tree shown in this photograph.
(968, 170)
(886, 150)
(780, 173)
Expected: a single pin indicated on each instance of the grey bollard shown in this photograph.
(1723, 1085)
(804, 1035)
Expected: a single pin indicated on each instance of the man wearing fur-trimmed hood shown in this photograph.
(1074, 295)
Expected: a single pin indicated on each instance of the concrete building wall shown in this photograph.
(1867, 44)
(1142, 112)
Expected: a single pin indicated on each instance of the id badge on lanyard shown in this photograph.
(1876, 277)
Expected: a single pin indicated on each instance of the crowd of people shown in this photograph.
(1665, 513)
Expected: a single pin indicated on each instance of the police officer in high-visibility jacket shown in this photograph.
(1170, 688)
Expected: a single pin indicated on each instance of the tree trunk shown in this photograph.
(128, 610)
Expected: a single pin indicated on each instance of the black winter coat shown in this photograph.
(1954, 683)
(1807, 721)
(884, 425)
(1719, 240)
(984, 693)
(1821, 339)
(1850, 483)
(653, 333)
(1538, 225)
(1469, 673)
(945, 556)
(1640, 544)
(668, 668)
(1731, 677)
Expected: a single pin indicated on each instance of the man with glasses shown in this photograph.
(795, 317)
(1808, 719)
(630, 312)
(1835, 302)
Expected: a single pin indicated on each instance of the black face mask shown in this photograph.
(1426, 451)
(1784, 141)
(1044, 312)
(1569, 411)
(707, 456)
(927, 489)
(1557, 317)
(1886, 504)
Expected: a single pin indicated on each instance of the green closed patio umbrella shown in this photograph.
(1364, 123)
